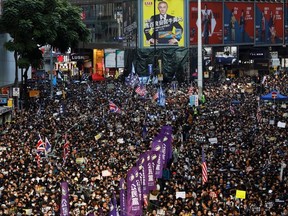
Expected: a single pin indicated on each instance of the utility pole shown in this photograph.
(199, 69)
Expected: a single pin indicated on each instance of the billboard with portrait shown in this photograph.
(269, 23)
(212, 32)
(169, 21)
(238, 23)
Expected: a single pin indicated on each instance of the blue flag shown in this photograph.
(144, 130)
(161, 97)
(48, 146)
(133, 78)
(54, 81)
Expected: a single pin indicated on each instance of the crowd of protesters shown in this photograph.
(248, 151)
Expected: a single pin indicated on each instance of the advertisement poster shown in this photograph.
(212, 32)
(168, 20)
(269, 23)
(238, 23)
(110, 58)
(130, 23)
(120, 58)
(286, 24)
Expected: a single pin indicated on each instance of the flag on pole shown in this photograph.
(48, 146)
(123, 204)
(132, 79)
(141, 90)
(144, 130)
(114, 108)
(161, 97)
(155, 96)
(204, 168)
(40, 147)
(65, 149)
(113, 210)
(54, 81)
(40, 150)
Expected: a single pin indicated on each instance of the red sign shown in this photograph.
(212, 19)
(274, 95)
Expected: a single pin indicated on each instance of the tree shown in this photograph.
(34, 23)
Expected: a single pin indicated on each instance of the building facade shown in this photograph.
(237, 36)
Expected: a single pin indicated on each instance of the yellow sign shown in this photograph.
(10, 102)
(98, 136)
(240, 194)
(168, 21)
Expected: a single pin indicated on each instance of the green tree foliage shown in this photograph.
(34, 23)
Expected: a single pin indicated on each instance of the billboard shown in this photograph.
(212, 32)
(130, 23)
(168, 19)
(269, 23)
(286, 24)
(238, 23)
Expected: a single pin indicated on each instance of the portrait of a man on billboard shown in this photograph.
(168, 29)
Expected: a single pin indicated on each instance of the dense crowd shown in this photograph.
(247, 152)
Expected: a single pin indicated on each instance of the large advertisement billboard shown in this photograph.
(269, 23)
(286, 24)
(168, 19)
(212, 18)
(238, 23)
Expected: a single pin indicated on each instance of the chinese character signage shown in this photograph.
(168, 19)
(211, 23)
(238, 23)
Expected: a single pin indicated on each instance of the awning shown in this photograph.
(4, 109)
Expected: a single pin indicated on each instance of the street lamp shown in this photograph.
(199, 68)
(154, 36)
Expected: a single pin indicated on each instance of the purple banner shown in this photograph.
(133, 201)
(64, 209)
(167, 131)
(151, 176)
(139, 187)
(123, 206)
(113, 206)
(157, 163)
(159, 146)
(143, 172)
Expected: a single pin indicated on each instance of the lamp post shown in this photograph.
(154, 36)
(199, 68)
